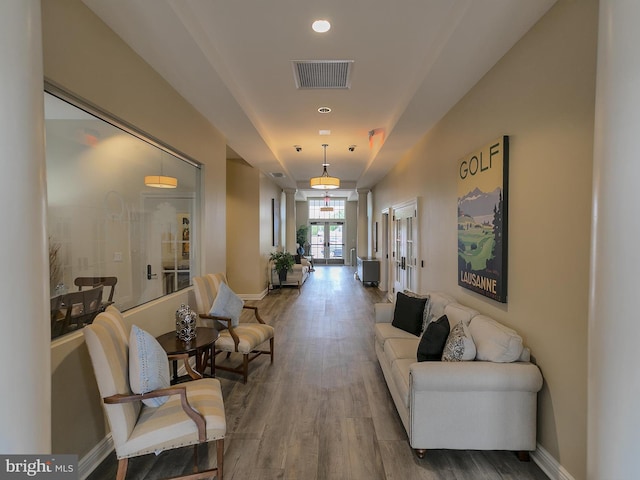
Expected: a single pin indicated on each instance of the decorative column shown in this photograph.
(25, 415)
(614, 329)
(290, 224)
(362, 249)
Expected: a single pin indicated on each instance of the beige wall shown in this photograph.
(249, 228)
(243, 195)
(302, 214)
(86, 58)
(541, 94)
(268, 190)
(351, 240)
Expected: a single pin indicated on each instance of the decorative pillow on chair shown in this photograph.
(459, 346)
(227, 304)
(148, 366)
(408, 313)
(433, 340)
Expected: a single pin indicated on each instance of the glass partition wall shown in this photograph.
(105, 224)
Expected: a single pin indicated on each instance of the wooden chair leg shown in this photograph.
(195, 458)
(271, 348)
(220, 451)
(523, 456)
(420, 452)
(245, 367)
(122, 468)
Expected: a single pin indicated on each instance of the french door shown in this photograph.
(166, 253)
(405, 247)
(327, 242)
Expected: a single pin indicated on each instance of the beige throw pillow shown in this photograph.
(495, 342)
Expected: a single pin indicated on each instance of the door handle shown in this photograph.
(149, 274)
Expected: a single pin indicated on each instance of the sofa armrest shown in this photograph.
(383, 312)
(475, 376)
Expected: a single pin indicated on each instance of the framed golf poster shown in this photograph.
(482, 220)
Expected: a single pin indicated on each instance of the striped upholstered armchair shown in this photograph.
(192, 412)
(244, 338)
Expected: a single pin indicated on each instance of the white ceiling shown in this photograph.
(231, 59)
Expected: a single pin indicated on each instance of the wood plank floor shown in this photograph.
(322, 410)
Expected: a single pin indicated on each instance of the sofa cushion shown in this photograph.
(433, 340)
(495, 342)
(400, 348)
(459, 313)
(459, 346)
(385, 331)
(437, 302)
(408, 312)
(148, 366)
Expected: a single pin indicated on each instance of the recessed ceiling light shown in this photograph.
(321, 26)
(324, 132)
(324, 110)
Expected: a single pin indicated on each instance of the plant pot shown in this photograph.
(282, 275)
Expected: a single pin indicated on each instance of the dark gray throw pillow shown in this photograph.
(407, 314)
(433, 340)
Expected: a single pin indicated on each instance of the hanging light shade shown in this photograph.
(160, 181)
(326, 207)
(324, 181)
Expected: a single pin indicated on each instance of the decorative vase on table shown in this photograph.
(282, 275)
(185, 323)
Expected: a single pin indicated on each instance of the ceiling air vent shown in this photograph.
(322, 73)
(277, 174)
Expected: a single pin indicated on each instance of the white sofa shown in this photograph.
(297, 276)
(468, 405)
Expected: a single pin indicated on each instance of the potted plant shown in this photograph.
(282, 262)
(301, 238)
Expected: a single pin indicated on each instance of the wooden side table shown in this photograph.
(203, 343)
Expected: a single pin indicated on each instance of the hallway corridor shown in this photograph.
(322, 410)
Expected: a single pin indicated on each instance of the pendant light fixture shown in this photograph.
(324, 181)
(160, 181)
(326, 207)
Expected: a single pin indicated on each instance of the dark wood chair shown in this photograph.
(80, 308)
(57, 315)
(94, 282)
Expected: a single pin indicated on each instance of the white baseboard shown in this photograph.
(91, 460)
(549, 465)
(254, 296)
